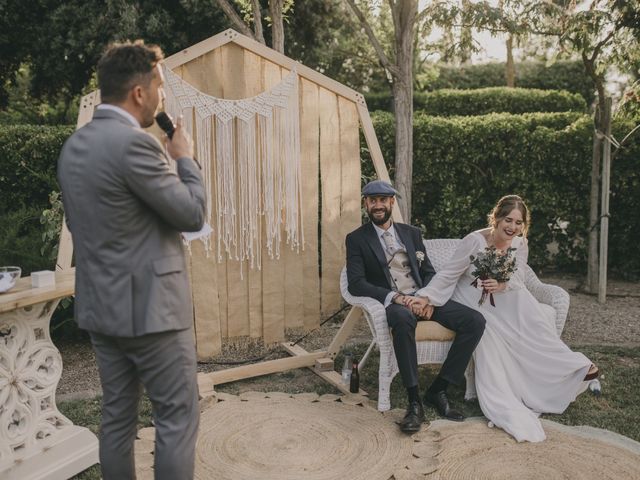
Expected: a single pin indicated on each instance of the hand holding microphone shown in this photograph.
(179, 145)
(166, 124)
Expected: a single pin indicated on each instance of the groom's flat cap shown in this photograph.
(378, 188)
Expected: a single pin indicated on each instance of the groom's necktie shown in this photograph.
(390, 243)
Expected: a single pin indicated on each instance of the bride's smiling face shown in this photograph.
(509, 226)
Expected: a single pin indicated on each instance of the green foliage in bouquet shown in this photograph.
(492, 264)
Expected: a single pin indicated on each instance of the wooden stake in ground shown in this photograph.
(604, 208)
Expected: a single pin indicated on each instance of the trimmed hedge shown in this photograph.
(482, 101)
(624, 206)
(501, 99)
(563, 75)
(462, 165)
(28, 156)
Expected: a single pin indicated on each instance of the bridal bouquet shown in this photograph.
(492, 264)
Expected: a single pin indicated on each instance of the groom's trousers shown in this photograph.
(165, 364)
(467, 323)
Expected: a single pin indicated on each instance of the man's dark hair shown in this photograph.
(124, 65)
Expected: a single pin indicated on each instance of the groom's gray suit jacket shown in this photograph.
(125, 209)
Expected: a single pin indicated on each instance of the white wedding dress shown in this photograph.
(522, 367)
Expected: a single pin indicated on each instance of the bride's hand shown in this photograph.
(493, 286)
(420, 306)
(409, 301)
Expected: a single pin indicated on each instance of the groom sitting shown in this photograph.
(388, 261)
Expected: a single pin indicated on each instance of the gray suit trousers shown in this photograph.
(165, 364)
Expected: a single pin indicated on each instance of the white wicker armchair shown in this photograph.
(433, 340)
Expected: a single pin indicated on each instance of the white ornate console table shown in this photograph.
(36, 440)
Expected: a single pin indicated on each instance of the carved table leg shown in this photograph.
(36, 440)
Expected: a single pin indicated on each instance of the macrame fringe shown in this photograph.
(250, 154)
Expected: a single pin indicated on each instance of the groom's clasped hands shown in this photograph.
(420, 306)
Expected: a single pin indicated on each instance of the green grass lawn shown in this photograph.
(617, 409)
(87, 413)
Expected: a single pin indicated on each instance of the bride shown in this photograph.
(522, 367)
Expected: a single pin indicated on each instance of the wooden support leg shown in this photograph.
(345, 330)
(333, 377)
(364, 358)
(300, 358)
(206, 381)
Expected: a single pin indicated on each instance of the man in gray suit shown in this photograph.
(125, 209)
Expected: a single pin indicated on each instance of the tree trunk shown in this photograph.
(257, 21)
(405, 16)
(232, 15)
(511, 66)
(466, 39)
(277, 27)
(403, 110)
(404, 22)
(594, 197)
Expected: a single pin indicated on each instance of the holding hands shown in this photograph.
(420, 306)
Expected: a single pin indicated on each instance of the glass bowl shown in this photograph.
(8, 277)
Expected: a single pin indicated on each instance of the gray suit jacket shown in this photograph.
(125, 209)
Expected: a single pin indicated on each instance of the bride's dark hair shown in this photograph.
(505, 206)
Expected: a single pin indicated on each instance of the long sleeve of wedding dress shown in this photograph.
(443, 284)
(516, 282)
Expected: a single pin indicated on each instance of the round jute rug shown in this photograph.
(260, 436)
(472, 450)
(269, 436)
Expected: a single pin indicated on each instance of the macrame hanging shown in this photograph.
(250, 155)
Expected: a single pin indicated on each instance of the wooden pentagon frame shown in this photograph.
(327, 90)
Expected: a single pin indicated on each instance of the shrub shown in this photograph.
(482, 75)
(28, 168)
(500, 99)
(27, 177)
(563, 75)
(384, 101)
(624, 206)
(462, 165)
(567, 75)
(29, 154)
(485, 100)
(20, 241)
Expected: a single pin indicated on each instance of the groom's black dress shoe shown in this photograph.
(440, 401)
(413, 419)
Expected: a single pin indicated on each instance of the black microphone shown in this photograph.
(166, 124)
